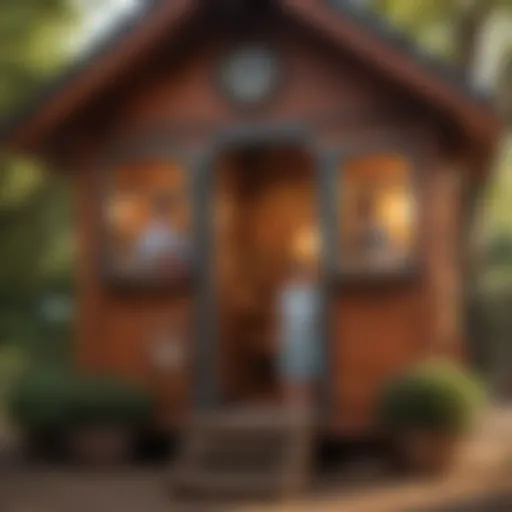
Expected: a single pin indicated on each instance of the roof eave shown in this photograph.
(344, 26)
(27, 130)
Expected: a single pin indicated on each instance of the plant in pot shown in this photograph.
(39, 404)
(427, 411)
(106, 413)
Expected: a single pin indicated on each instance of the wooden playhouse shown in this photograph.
(265, 121)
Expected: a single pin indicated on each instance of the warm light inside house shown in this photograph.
(396, 209)
(306, 245)
(132, 191)
(377, 215)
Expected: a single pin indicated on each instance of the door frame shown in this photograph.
(206, 380)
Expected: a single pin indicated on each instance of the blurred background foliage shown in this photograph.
(36, 236)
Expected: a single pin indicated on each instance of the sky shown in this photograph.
(99, 15)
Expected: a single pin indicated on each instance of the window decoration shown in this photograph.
(377, 213)
(147, 214)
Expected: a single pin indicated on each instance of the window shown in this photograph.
(377, 213)
(147, 215)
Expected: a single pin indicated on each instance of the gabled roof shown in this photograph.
(340, 22)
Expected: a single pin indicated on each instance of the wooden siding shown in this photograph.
(376, 331)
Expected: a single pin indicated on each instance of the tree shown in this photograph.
(32, 223)
(31, 46)
(454, 29)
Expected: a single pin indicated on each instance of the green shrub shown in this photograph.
(436, 396)
(110, 401)
(13, 364)
(53, 399)
(41, 399)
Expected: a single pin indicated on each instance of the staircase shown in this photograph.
(245, 452)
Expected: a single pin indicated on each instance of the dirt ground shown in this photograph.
(481, 483)
(44, 489)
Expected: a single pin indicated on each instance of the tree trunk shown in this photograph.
(468, 31)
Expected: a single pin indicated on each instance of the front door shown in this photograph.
(261, 212)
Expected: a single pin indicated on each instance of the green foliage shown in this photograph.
(438, 396)
(429, 22)
(12, 365)
(499, 250)
(34, 206)
(32, 44)
(109, 401)
(42, 399)
(491, 321)
(52, 398)
(496, 207)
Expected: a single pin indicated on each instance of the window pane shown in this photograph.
(377, 210)
(148, 220)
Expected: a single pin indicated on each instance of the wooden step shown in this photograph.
(209, 483)
(254, 449)
(244, 451)
(254, 418)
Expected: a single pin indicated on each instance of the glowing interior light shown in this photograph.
(306, 245)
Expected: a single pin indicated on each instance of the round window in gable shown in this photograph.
(250, 74)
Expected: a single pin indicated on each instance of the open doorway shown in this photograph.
(265, 206)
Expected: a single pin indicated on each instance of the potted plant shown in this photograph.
(105, 415)
(94, 418)
(39, 404)
(427, 411)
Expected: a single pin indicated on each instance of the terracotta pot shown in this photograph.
(100, 445)
(428, 452)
